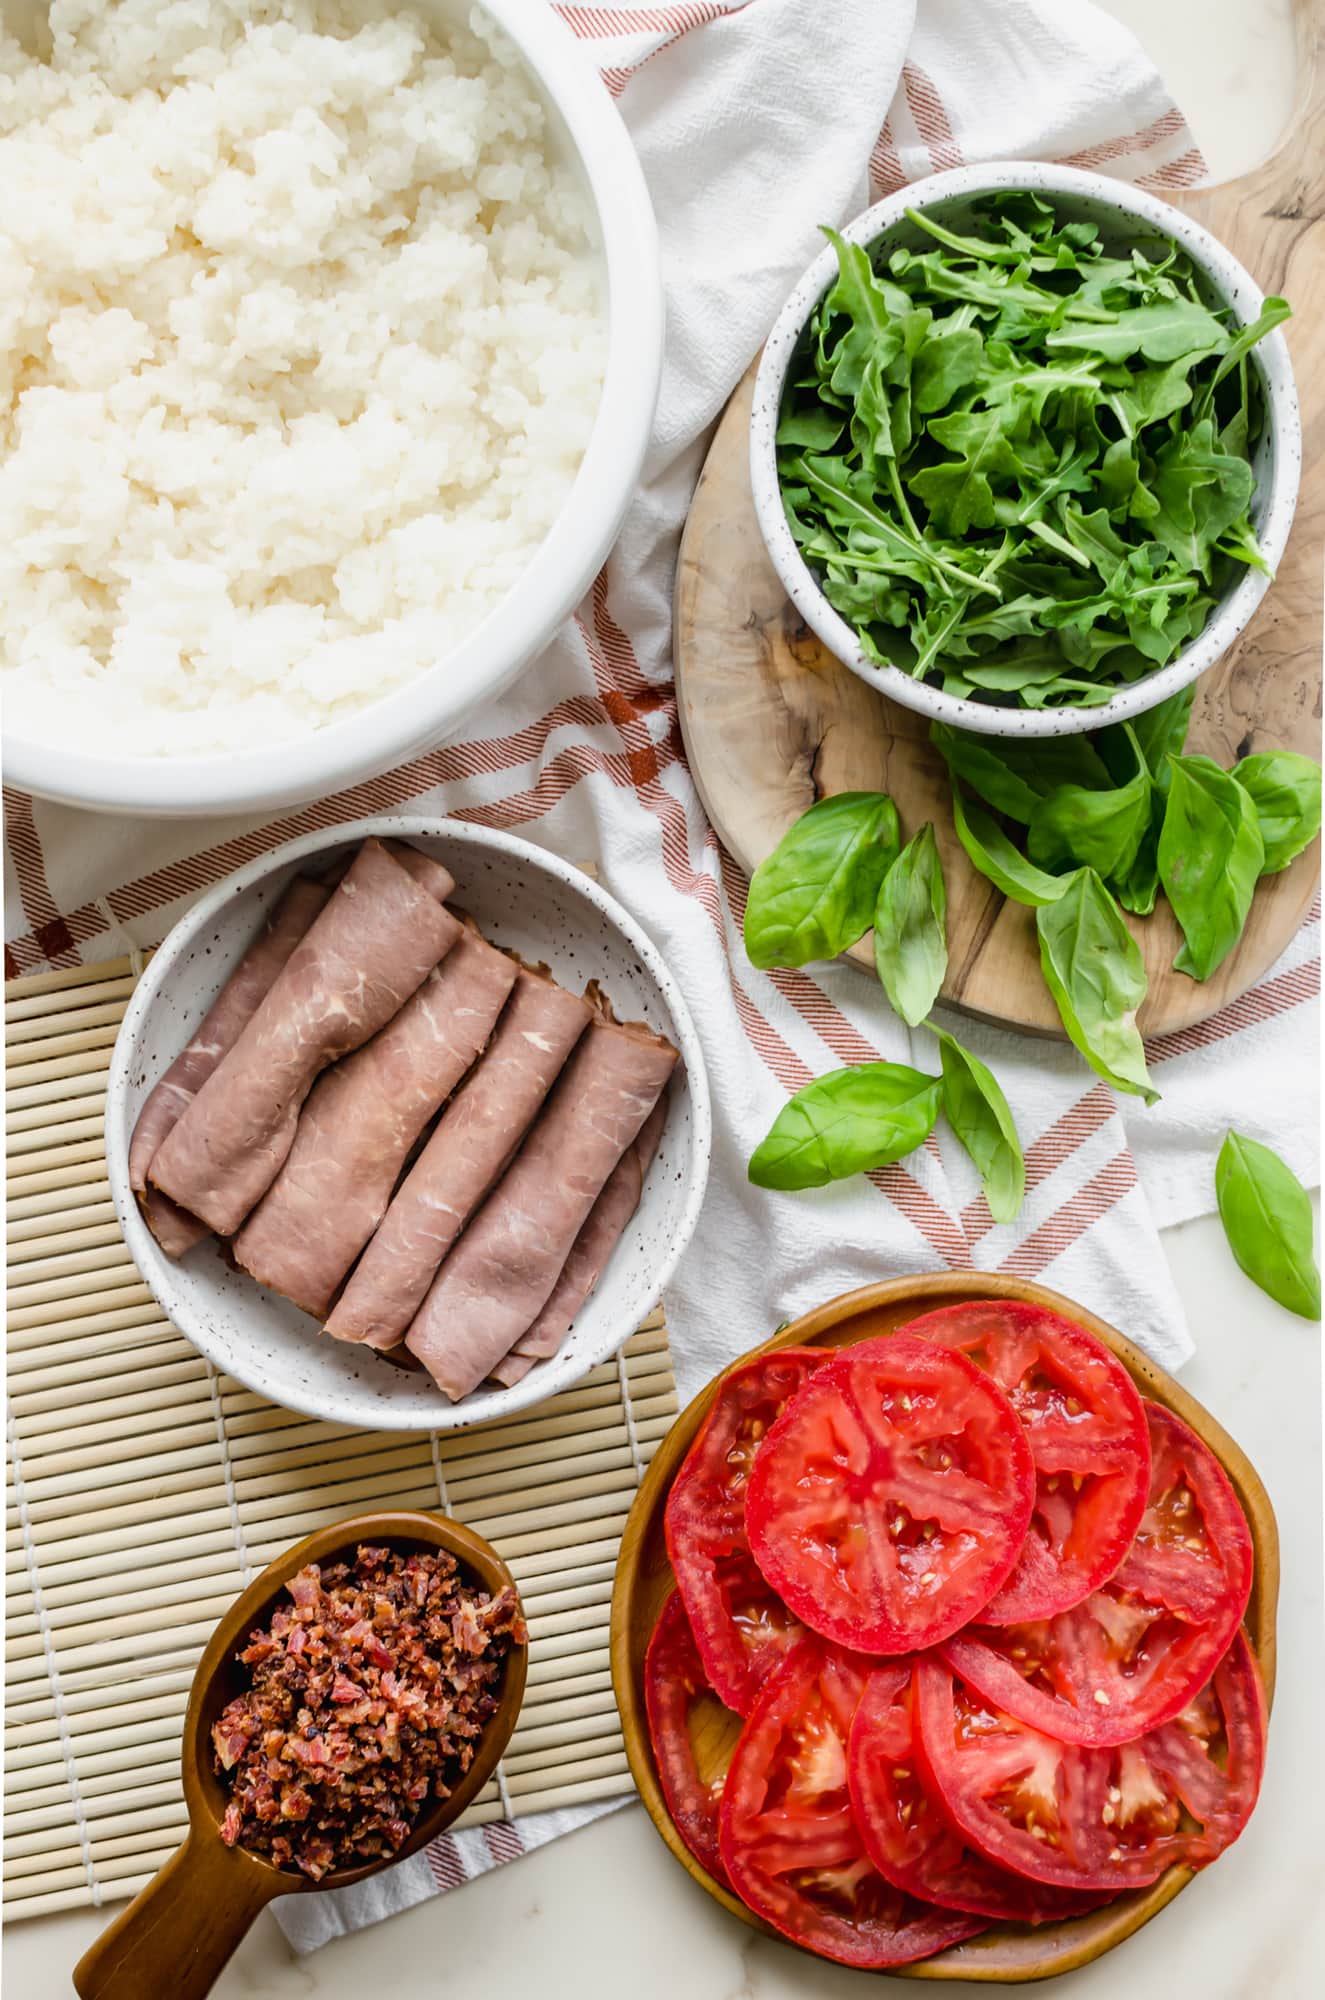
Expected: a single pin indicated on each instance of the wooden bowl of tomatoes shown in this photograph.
(943, 1633)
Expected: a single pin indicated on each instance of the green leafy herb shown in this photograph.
(1285, 790)
(1093, 967)
(1021, 466)
(1013, 776)
(995, 856)
(978, 1113)
(1266, 1214)
(846, 1123)
(815, 894)
(910, 929)
(1210, 855)
(1074, 827)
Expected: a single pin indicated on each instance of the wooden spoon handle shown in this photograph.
(177, 1933)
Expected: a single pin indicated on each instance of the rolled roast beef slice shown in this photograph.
(475, 1137)
(590, 1251)
(429, 874)
(359, 1123)
(500, 1275)
(374, 944)
(225, 1020)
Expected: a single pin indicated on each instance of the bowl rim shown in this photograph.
(436, 703)
(1223, 270)
(915, 1294)
(563, 1370)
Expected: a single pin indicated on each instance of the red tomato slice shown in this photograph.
(1136, 1651)
(789, 1837)
(741, 1626)
(1211, 1758)
(1087, 1433)
(891, 1498)
(675, 1688)
(1084, 1818)
(907, 1834)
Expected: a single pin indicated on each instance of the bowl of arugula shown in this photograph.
(1025, 448)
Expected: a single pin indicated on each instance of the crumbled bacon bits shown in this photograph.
(370, 1692)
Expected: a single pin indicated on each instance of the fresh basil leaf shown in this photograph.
(846, 1123)
(978, 1112)
(1093, 967)
(1073, 827)
(1162, 731)
(1285, 790)
(993, 854)
(815, 894)
(1266, 1213)
(1210, 855)
(1138, 891)
(910, 929)
(970, 757)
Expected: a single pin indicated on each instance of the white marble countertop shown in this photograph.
(609, 1906)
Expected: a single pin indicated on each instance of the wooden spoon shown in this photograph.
(178, 1933)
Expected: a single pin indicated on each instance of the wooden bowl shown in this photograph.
(1007, 1952)
(177, 1934)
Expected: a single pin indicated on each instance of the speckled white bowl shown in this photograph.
(1124, 214)
(537, 905)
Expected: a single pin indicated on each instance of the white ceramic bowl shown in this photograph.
(524, 898)
(432, 708)
(1125, 215)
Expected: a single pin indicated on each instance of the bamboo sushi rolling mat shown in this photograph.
(145, 1488)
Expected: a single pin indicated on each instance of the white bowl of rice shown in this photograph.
(330, 339)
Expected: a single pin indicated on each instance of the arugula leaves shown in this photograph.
(1266, 1213)
(910, 929)
(1210, 856)
(1019, 466)
(815, 894)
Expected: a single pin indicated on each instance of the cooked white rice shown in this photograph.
(301, 342)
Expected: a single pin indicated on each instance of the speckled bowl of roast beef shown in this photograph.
(407, 1124)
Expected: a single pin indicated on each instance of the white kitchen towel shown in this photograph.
(757, 120)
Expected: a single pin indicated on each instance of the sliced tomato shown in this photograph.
(678, 1696)
(1106, 1819)
(741, 1626)
(1087, 1432)
(906, 1832)
(1138, 1649)
(789, 1837)
(1193, 1549)
(1210, 1758)
(890, 1499)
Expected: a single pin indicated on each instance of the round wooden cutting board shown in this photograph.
(772, 721)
